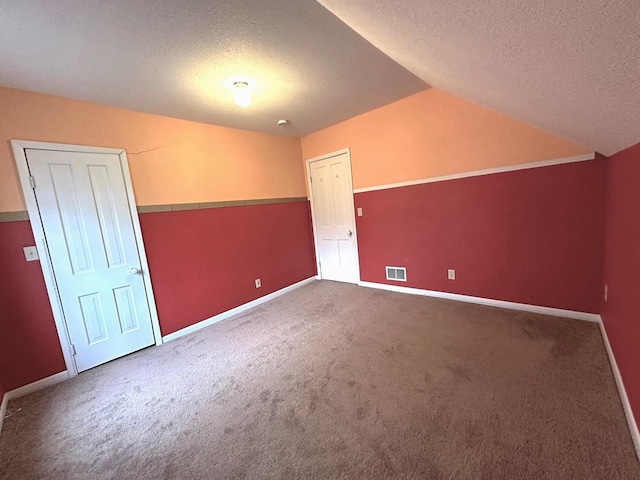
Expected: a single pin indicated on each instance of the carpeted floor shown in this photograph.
(336, 381)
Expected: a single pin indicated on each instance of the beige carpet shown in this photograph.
(336, 381)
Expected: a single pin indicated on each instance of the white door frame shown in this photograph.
(19, 147)
(313, 217)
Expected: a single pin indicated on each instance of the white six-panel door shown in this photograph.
(83, 205)
(334, 220)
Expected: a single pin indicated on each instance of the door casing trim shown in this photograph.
(20, 157)
(313, 218)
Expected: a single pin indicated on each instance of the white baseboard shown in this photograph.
(556, 312)
(39, 385)
(633, 425)
(30, 388)
(3, 410)
(234, 311)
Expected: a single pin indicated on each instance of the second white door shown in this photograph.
(334, 219)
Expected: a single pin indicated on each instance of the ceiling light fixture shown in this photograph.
(241, 94)
(283, 122)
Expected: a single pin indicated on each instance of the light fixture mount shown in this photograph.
(241, 94)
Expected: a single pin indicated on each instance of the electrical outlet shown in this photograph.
(606, 292)
(258, 283)
(359, 211)
(30, 253)
(451, 274)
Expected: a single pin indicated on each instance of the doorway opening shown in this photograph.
(87, 232)
(333, 216)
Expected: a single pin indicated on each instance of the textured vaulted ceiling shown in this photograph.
(173, 58)
(571, 67)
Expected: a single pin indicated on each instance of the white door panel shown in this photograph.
(334, 221)
(85, 213)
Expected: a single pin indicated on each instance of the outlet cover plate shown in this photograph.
(30, 253)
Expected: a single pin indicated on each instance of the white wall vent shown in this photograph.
(399, 274)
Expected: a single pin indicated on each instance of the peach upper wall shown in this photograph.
(192, 162)
(433, 133)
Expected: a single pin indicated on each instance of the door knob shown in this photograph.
(134, 271)
(349, 233)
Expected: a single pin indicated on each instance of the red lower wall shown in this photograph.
(621, 311)
(530, 236)
(29, 345)
(204, 262)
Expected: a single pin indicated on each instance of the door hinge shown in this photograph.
(73, 350)
(311, 179)
(32, 182)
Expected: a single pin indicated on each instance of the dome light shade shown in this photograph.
(241, 94)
